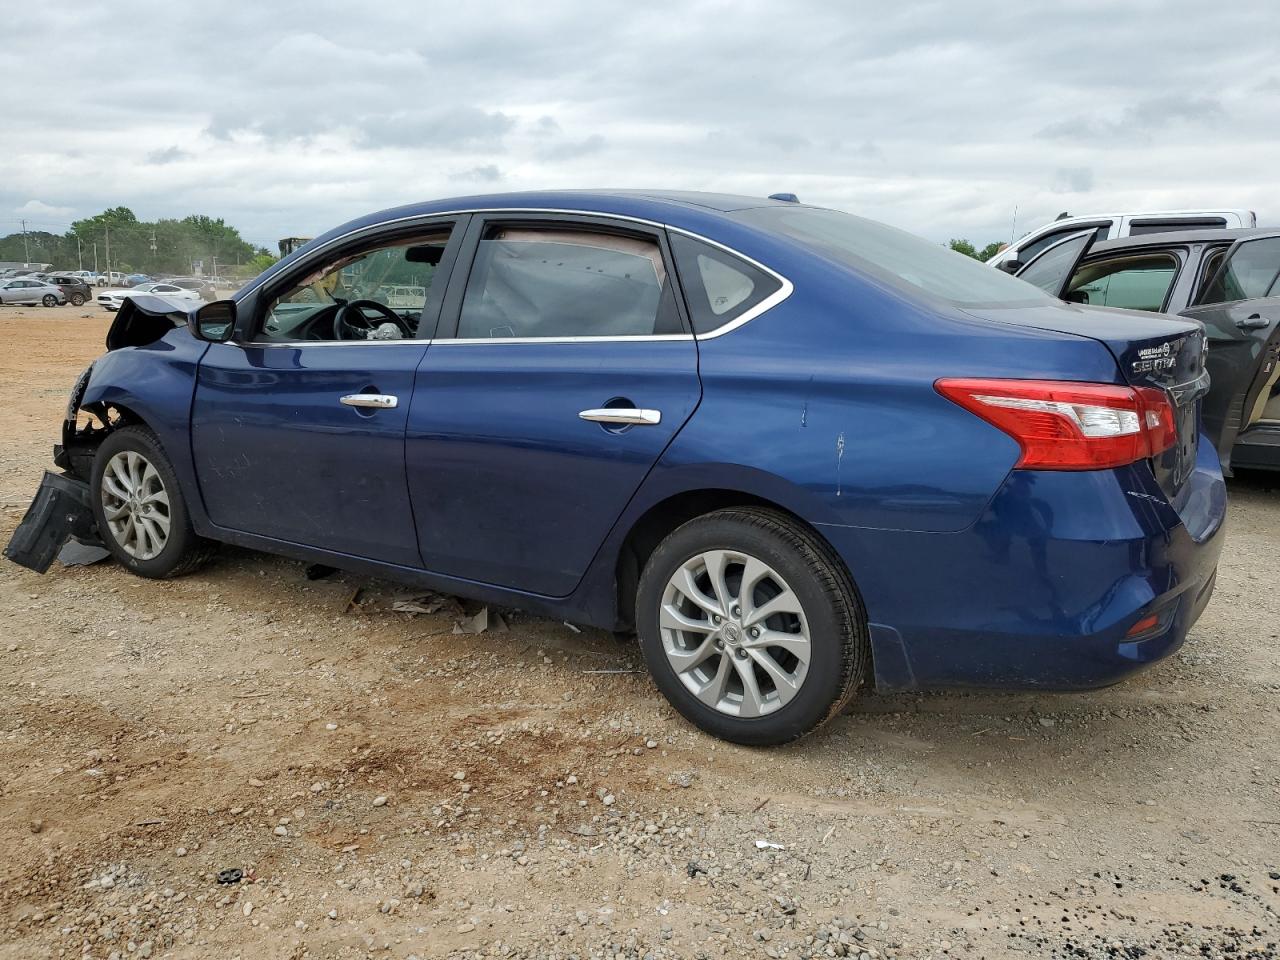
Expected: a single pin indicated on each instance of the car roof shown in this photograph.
(1174, 237)
(677, 207)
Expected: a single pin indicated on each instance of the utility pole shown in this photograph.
(108, 230)
(79, 255)
(26, 254)
(153, 249)
(95, 256)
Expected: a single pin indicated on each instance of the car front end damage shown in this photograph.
(61, 510)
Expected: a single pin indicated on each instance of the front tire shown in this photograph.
(138, 505)
(750, 626)
(49, 300)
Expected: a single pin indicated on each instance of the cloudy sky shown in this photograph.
(940, 117)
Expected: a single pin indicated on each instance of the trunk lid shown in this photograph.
(1151, 350)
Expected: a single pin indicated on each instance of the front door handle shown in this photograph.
(1253, 322)
(622, 415)
(381, 401)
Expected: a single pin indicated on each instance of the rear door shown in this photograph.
(1240, 309)
(567, 370)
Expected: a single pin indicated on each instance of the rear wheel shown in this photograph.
(77, 300)
(141, 515)
(49, 300)
(750, 626)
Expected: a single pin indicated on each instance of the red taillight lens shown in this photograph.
(1063, 425)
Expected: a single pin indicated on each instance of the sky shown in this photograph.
(943, 118)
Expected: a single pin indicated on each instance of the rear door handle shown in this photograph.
(381, 401)
(622, 415)
(1254, 322)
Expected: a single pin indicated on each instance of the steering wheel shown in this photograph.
(350, 316)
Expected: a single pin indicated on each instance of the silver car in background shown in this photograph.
(26, 290)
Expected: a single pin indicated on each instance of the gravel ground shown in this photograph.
(379, 786)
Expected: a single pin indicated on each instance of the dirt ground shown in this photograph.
(390, 789)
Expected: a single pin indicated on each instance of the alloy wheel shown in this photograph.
(135, 504)
(735, 633)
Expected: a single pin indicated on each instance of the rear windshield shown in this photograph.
(896, 256)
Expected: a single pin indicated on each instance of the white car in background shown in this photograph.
(1109, 226)
(27, 290)
(180, 297)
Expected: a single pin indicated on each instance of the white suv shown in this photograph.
(1112, 225)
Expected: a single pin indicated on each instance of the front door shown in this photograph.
(569, 370)
(298, 429)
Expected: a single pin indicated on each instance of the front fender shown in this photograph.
(155, 383)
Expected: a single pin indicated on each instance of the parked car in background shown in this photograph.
(27, 290)
(1229, 280)
(133, 279)
(792, 448)
(201, 286)
(113, 278)
(1107, 226)
(180, 296)
(74, 288)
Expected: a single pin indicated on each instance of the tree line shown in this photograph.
(969, 250)
(140, 246)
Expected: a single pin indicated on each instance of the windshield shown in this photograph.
(896, 256)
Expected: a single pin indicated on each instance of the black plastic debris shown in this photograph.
(77, 554)
(230, 875)
(59, 511)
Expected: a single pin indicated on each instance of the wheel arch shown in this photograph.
(657, 521)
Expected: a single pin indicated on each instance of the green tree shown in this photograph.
(969, 250)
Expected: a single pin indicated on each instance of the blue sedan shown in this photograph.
(794, 450)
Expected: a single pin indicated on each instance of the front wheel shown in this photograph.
(141, 515)
(49, 300)
(750, 626)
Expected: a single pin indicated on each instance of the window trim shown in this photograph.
(468, 220)
(1019, 249)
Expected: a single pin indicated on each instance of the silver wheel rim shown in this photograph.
(735, 633)
(135, 504)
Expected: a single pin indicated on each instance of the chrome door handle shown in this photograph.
(381, 401)
(622, 415)
(1253, 322)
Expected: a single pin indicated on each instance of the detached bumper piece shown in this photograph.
(59, 512)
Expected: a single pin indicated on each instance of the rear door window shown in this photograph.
(1252, 270)
(566, 282)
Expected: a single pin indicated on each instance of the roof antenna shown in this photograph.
(785, 197)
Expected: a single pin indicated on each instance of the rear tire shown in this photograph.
(736, 670)
(49, 300)
(138, 505)
(77, 300)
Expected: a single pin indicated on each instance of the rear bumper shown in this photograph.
(1042, 591)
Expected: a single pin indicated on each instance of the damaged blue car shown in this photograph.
(795, 451)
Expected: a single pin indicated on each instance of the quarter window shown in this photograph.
(719, 287)
(556, 283)
(1040, 243)
(1135, 283)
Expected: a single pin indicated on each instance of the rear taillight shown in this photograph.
(1063, 425)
